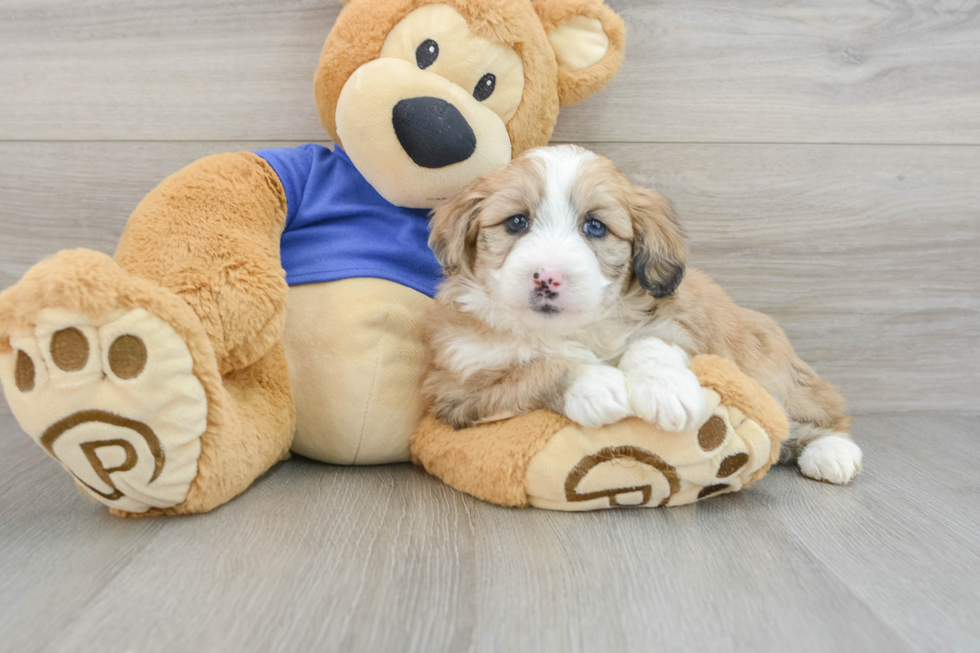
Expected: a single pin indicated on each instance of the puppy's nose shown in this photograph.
(433, 132)
(545, 278)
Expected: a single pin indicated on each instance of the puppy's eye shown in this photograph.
(516, 224)
(485, 87)
(595, 228)
(427, 53)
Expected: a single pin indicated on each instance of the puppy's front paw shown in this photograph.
(670, 397)
(598, 397)
(834, 459)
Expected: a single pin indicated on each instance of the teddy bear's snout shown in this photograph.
(433, 132)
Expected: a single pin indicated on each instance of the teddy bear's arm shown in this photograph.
(210, 233)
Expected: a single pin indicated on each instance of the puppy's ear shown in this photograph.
(453, 229)
(659, 250)
(589, 41)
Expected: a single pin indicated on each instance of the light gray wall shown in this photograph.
(824, 156)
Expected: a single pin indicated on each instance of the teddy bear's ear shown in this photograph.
(589, 40)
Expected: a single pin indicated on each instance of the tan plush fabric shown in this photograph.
(739, 390)
(227, 213)
(258, 421)
(362, 26)
(364, 122)
(489, 461)
(249, 413)
(356, 358)
(200, 255)
(114, 399)
(574, 82)
(579, 43)
(546, 461)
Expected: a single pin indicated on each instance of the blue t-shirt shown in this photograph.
(339, 227)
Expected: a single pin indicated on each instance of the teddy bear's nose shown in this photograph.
(433, 132)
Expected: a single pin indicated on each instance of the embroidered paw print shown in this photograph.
(116, 403)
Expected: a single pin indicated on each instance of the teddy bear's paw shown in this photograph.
(834, 459)
(115, 401)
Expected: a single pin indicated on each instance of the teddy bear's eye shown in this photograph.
(427, 53)
(485, 87)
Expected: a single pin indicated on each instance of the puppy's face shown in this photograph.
(557, 237)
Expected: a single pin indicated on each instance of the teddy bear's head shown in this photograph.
(427, 95)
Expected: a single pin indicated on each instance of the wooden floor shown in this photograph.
(320, 558)
(824, 157)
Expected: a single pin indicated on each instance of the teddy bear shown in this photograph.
(262, 303)
(266, 302)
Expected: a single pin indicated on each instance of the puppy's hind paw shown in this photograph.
(834, 459)
(597, 398)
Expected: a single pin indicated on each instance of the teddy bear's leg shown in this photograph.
(545, 460)
(160, 383)
(210, 233)
(255, 432)
(115, 377)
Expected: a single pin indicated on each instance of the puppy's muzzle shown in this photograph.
(546, 284)
(433, 132)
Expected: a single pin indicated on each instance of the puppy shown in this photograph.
(566, 290)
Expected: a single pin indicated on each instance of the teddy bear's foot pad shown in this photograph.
(616, 467)
(115, 401)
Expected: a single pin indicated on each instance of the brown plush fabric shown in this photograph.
(576, 86)
(488, 461)
(236, 286)
(739, 390)
(250, 413)
(225, 214)
(491, 461)
(257, 431)
(362, 26)
(201, 253)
